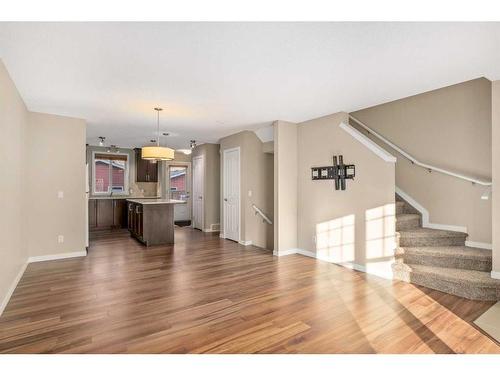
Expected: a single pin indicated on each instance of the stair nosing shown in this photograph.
(445, 274)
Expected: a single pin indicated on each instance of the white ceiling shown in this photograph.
(213, 79)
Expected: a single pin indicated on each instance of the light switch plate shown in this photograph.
(60, 194)
(60, 238)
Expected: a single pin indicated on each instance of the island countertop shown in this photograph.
(156, 201)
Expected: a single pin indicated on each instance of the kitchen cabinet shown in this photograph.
(92, 214)
(145, 170)
(104, 213)
(151, 221)
(107, 214)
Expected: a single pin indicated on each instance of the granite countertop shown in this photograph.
(117, 196)
(155, 201)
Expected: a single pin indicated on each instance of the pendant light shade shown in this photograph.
(157, 153)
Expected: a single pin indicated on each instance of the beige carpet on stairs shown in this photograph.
(489, 322)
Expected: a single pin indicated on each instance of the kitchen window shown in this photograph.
(110, 173)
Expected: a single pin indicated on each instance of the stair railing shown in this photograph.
(258, 211)
(414, 161)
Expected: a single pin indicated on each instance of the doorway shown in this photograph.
(198, 196)
(231, 194)
(178, 188)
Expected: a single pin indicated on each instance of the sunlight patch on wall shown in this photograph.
(335, 239)
(380, 231)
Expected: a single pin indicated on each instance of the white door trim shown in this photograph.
(199, 157)
(239, 186)
(189, 180)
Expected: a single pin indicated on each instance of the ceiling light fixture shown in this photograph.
(157, 153)
(101, 141)
(192, 143)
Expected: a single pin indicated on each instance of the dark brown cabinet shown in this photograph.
(152, 224)
(92, 214)
(145, 170)
(107, 214)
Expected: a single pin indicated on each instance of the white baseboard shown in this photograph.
(210, 230)
(306, 253)
(283, 253)
(480, 245)
(425, 215)
(12, 287)
(43, 258)
(495, 275)
(245, 243)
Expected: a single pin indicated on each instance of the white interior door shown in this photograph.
(231, 194)
(197, 197)
(179, 187)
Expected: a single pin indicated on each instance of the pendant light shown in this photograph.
(157, 153)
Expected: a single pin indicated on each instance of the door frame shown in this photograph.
(200, 157)
(225, 151)
(189, 187)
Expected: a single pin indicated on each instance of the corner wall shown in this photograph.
(256, 168)
(355, 227)
(40, 155)
(13, 124)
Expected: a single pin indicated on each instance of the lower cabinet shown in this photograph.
(107, 214)
(135, 220)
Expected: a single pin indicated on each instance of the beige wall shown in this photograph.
(256, 177)
(285, 186)
(448, 128)
(355, 226)
(496, 177)
(211, 186)
(13, 123)
(40, 155)
(56, 154)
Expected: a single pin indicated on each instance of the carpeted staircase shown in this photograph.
(439, 259)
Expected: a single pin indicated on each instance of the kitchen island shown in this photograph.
(151, 221)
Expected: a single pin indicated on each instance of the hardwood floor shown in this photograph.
(208, 295)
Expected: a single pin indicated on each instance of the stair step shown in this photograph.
(476, 285)
(419, 237)
(400, 207)
(462, 257)
(407, 221)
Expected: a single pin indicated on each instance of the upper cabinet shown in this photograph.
(145, 170)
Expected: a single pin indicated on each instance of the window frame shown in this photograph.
(110, 172)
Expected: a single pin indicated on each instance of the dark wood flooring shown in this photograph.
(208, 295)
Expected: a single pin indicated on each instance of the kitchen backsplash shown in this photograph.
(146, 189)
